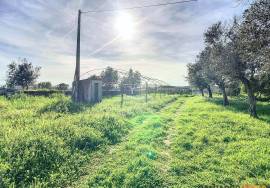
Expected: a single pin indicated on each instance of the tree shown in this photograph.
(264, 84)
(212, 57)
(45, 85)
(248, 50)
(233, 88)
(131, 81)
(211, 61)
(195, 78)
(109, 78)
(255, 34)
(62, 86)
(12, 67)
(254, 49)
(22, 73)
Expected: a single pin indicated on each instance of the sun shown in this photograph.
(125, 26)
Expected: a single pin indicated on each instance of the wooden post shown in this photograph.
(122, 99)
(75, 85)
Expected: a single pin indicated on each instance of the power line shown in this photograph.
(139, 7)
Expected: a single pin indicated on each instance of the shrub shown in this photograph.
(43, 92)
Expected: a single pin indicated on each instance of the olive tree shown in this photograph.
(212, 58)
(248, 50)
(195, 78)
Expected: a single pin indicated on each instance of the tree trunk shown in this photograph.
(202, 92)
(225, 97)
(251, 99)
(209, 92)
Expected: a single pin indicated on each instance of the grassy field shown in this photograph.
(172, 141)
(46, 141)
(217, 146)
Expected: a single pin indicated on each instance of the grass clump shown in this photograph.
(113, 128)
(138, 173)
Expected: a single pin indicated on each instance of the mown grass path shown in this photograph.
(142, 159)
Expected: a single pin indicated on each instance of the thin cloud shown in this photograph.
(167, 39)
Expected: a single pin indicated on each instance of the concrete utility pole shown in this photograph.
(75, 85)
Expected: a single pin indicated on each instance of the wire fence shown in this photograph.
(126, 86)
(144, 90)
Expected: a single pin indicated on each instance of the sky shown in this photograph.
(157, 41)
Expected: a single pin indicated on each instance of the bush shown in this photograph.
(45, 92)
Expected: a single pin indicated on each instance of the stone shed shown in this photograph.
(90, 90)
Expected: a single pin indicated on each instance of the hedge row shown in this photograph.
(46, 93)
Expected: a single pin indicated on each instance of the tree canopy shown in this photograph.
(44, 85)
(62, 86)
(22, 73)
(132, 79)
(109, 78)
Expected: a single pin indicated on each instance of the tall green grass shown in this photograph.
(142, 160)
(45, 141)
(218, 146)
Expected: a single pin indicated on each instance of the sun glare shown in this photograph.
(125, 26)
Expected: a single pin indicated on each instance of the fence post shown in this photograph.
(122, 99)
(146, 92)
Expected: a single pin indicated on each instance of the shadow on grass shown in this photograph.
(240, 104)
